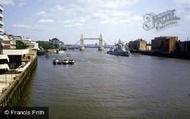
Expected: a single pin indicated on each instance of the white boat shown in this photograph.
(61, 52)
(71, 61)
(64, 61)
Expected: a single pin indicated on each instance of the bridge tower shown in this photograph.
(82, 43)
(100, 39)
(101, 44)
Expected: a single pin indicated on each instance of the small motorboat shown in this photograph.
(71, 61)
(65, 61)
(55, 61)
(59, 62)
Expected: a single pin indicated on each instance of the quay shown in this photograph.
(163, 46)
(18, 60)
(16, 67)
(171, 55)
(12, 87)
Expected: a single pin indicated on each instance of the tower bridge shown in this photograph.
(100, 39)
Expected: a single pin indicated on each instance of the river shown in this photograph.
(102, 86)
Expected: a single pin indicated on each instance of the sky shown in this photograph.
(115, 19)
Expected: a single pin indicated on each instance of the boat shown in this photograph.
(61, 52)
(119, 49)
(59, 62)
(71, 61)
(65, 61)
(55, 61)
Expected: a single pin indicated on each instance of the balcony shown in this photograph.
(1, 8)
(1, 37)
(1, 30)
(1, 15)
(1, 23)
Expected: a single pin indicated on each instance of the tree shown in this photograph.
(46, 45)
(20, 45)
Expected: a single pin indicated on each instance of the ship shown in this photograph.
(65, 61)
(119, 49)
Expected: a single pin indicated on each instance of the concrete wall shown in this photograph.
(13, 93)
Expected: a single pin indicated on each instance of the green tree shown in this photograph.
(46, 45)
(20, 45)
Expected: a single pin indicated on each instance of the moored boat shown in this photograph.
(55, 61)
(65, 61)
(71, 61)
(119, 49)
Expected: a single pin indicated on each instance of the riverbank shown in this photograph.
(172, 55)
(11, 85)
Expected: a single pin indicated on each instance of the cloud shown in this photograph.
(72, 25)
(13, 2)
(187, 17)
(109, 11)
(42, 13)
(74, 22)
(31, 27)
(66, 17)
(183, 8)
(86, 11)
(20, 25)
(24, 26)
(46, 21)
(182, 1)
(115, 16)
(7, 2)
(183, 4)
(107, 4)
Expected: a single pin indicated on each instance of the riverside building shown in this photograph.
(1, 22)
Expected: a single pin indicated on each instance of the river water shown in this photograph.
(102, 86)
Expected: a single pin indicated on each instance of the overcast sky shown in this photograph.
(68, 19)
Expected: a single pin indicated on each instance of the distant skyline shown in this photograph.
(68, 19)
